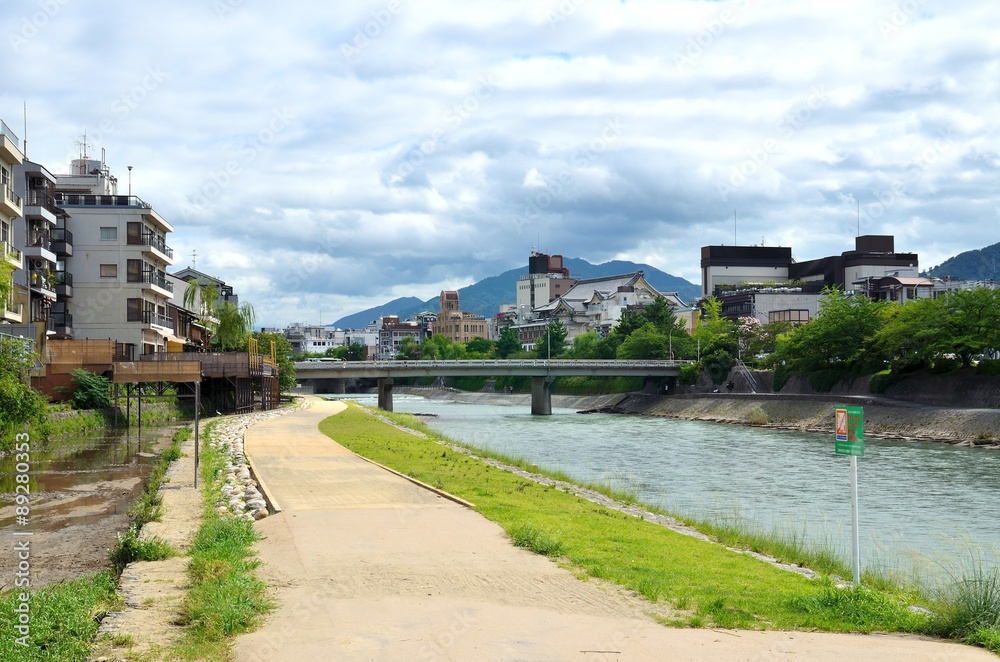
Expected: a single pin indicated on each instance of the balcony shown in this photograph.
(11, 203)
(39, 246)
(62, 242)
(86, 200)
(12, 255)
(159, 244)
(42, 282)
(158, 279)
(64, 284)
(39, 205)
(9, 150)
(13, 313)
(150, 317)
(61, 324)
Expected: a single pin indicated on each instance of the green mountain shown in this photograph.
(486, 296)
(971, 265)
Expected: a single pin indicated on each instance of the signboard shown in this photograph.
(850, 431)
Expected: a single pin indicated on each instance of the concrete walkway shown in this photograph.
(368, 566)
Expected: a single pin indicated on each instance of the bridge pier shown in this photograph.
(541, 396)
(385, 393)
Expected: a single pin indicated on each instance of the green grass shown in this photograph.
(129, 547)
(226, 598)
(64, 619)
(968, 609)
(714, 585)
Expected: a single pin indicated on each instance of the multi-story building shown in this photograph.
(546, 280)
(119, 261)
(11, 310)
(392, 332)
(765, 282)
(456, 324)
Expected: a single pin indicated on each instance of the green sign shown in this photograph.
(850, 431)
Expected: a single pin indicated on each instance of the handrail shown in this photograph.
(10, 134)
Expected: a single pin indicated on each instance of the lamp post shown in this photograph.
(130, 181)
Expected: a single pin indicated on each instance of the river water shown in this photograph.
(923, 506)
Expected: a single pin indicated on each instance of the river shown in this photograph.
(923, 506)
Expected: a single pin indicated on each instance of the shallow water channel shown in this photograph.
(923, 506)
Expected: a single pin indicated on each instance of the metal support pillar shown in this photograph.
(385, 393)
(541, 396)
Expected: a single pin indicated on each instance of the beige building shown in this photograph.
(11, 210)
(119, 262)
(456, 324)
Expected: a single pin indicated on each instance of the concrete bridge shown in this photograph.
(541, 372)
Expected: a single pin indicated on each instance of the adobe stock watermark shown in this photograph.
(762, 155)
(552, 189)
(697, 44)
(887, 196)
(224, 8)
(218, 180)
(367, 33)
(31, 26)
(461, 111)
(899, 17)
(563, 12)
(22, 539)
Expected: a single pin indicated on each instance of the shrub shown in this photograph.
(823, 381)
(758, 416)
(781, 375)
(718, 364)
(91, 391)
(689, 373)
(990, 367)
(942, 365)
(529, 537)
(881, 381)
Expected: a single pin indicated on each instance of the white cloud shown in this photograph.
(448, 139)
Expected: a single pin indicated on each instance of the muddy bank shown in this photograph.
(79, 502)
(884, 418)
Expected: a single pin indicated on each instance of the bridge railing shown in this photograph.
(488, 363)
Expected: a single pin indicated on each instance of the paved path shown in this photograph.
(369, 566)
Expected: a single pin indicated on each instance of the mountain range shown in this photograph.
(486, 296)
(979, 264)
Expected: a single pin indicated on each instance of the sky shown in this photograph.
(327, 157)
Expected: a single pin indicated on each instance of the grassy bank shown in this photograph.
(705, 583)
(225, 597)
(64, 617)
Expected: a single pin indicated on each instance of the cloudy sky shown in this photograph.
(326, 157)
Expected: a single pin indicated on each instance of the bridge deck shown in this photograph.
(485, 368)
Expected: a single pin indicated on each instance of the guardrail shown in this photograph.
(488, 363)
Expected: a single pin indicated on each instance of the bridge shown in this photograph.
(541, 372)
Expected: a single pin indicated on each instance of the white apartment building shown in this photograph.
(11, 310)
(119, 261)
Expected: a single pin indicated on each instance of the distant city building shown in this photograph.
(392, 332)
(456, 324)
(11, 308)
(766, 283)
(546, 279)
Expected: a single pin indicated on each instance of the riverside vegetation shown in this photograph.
(706, 584)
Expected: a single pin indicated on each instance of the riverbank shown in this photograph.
(884, 418)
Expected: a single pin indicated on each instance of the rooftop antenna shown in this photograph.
(25, 150)
(735, 243)
(194, 258)
(859, 216)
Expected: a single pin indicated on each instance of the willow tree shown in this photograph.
(233, 326)
(201, 298)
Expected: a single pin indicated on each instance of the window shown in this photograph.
(109, 271)
(134, 310)
(109, 234)
(134, 270)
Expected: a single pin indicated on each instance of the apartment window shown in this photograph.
(133, 310)
(109, 271)
(134, 270)
(4, 232)
(109, 233)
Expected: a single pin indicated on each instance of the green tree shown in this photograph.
(355, 352)
(201, 299)
(234, 326)
(553, 343)
(508, 343)
(645, 343)
(628, 322)
(912, 336)
(19, 404)
(480, 348)
(838, 338)
(409, 350)
(585, 346)
(972, 322)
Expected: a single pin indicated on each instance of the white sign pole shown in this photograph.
(856, 542)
